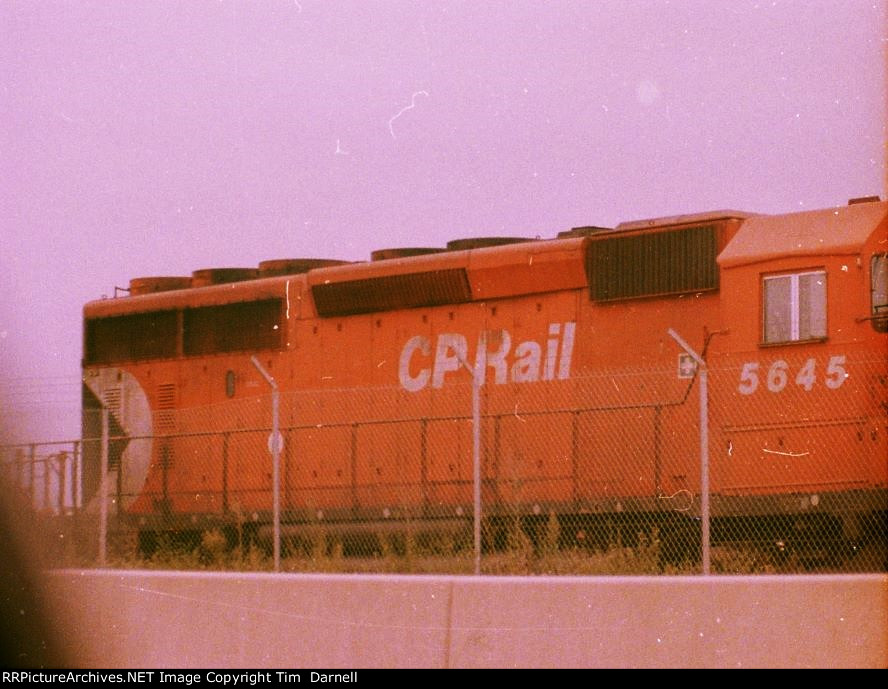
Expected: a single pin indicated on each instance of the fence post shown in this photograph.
(77, 478)
(103, 493)
(62, 463)
(704, 445)
(32, 460)
(477, 371)
(19, 469)
(476, 460)
(275, 446)
(46, 482)
(225, 504)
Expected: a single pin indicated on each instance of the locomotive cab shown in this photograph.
(879, 291)
(799, 378)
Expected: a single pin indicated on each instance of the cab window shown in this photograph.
(879, 291)
(794, 307)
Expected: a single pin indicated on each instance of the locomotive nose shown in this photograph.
(129, 431)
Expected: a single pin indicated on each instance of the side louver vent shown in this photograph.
(111, 398)
(648, 265)
(165, 421)
(392, 292)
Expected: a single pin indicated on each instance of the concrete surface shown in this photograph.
(207, 620)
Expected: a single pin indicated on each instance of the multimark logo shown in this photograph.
(530, 361)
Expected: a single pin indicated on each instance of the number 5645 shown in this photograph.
(779, 374)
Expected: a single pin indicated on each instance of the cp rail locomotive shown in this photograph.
(568, 339)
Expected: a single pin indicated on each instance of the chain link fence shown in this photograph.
(799, 456)
(589, 475)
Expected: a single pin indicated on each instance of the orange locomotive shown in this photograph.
(568, 339)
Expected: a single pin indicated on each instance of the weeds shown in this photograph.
(413, 552)
(511, 546)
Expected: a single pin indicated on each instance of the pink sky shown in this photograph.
(156, 138)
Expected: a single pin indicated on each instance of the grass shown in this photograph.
(416, 552)
(437, 554)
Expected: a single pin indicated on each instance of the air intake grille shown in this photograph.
(111, 397)
(165, 420)
(391, 292)
(239, 327)
(131, 338)
(653, 264)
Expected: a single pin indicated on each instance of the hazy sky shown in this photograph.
(156, 138)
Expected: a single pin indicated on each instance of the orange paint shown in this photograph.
(584, 409)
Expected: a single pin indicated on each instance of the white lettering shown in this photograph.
(496, 360)
(421, 379)
(567, 346)
(526, 368)
(552, 351)
(779, 373)
(524, 364)
(450, 354)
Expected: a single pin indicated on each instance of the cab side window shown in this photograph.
(794, 307)
(879, 291)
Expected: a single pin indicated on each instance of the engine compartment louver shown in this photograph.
(644, 265)
(392, 292)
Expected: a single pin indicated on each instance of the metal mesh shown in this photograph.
(597, 474)
(799, 457)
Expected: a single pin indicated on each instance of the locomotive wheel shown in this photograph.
(680, 542)
(147, 543)
(868, 556)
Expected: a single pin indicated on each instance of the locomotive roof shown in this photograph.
(526, 268)
(688, 219)
(839, 230)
